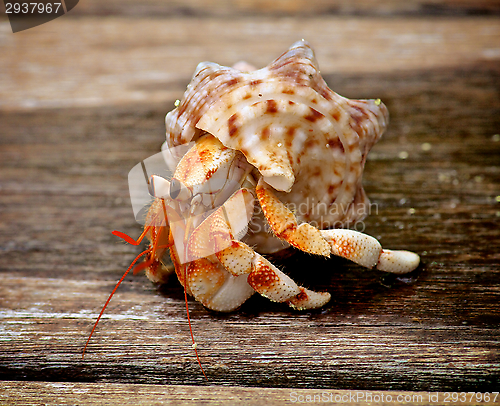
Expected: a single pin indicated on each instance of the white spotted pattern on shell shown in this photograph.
(308, 142)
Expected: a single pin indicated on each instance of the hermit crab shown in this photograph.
(261, 160)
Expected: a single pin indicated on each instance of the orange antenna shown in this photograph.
(190, 328)
(131, 241)
(113, 292)
(152, 249)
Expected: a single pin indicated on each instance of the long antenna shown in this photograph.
(111, 295)
(189, 322)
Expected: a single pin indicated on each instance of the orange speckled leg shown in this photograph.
(284, 224)
(353, 245)
(268, 280)
(199, 270)
(368, 252)
(211, 284)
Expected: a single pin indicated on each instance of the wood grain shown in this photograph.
(121, 60)
(435, 178)
(57, 393)
(36, 393)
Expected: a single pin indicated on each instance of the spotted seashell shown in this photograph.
(308, 142)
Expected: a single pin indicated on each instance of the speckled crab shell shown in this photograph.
(308, 142)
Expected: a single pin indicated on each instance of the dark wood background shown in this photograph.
(83, 99)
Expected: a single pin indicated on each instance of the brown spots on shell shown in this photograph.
(286, 138)
(275, 64)
(290, 132)
(282, 65)
(332, 188)
(310, 143)
(272, 106)
(333, 196)
(358, 116)
(232, 125)
(353, 147)
(316, 173)
(232, 82)
(360, 110)
(262, 277)
(295, 76)
(335, 143)
(288, 154)
(313, 115)
(335, 114)
(266, 133)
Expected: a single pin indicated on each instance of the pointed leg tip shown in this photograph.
(308, 299)
(399, 262)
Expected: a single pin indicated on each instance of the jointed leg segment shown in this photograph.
(267, 279)
(367, 251)
(353, 245)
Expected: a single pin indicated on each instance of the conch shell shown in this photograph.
(309, 143)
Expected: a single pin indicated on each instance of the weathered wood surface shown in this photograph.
(66, 393)
(83, 100)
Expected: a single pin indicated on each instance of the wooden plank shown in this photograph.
(64, 188)
(59, 393)
(435, 178)
(112, 65)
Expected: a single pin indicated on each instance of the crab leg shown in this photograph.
(198, 269)
(284, 224)
(368, 252)
(268, 280)
(350, 244)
